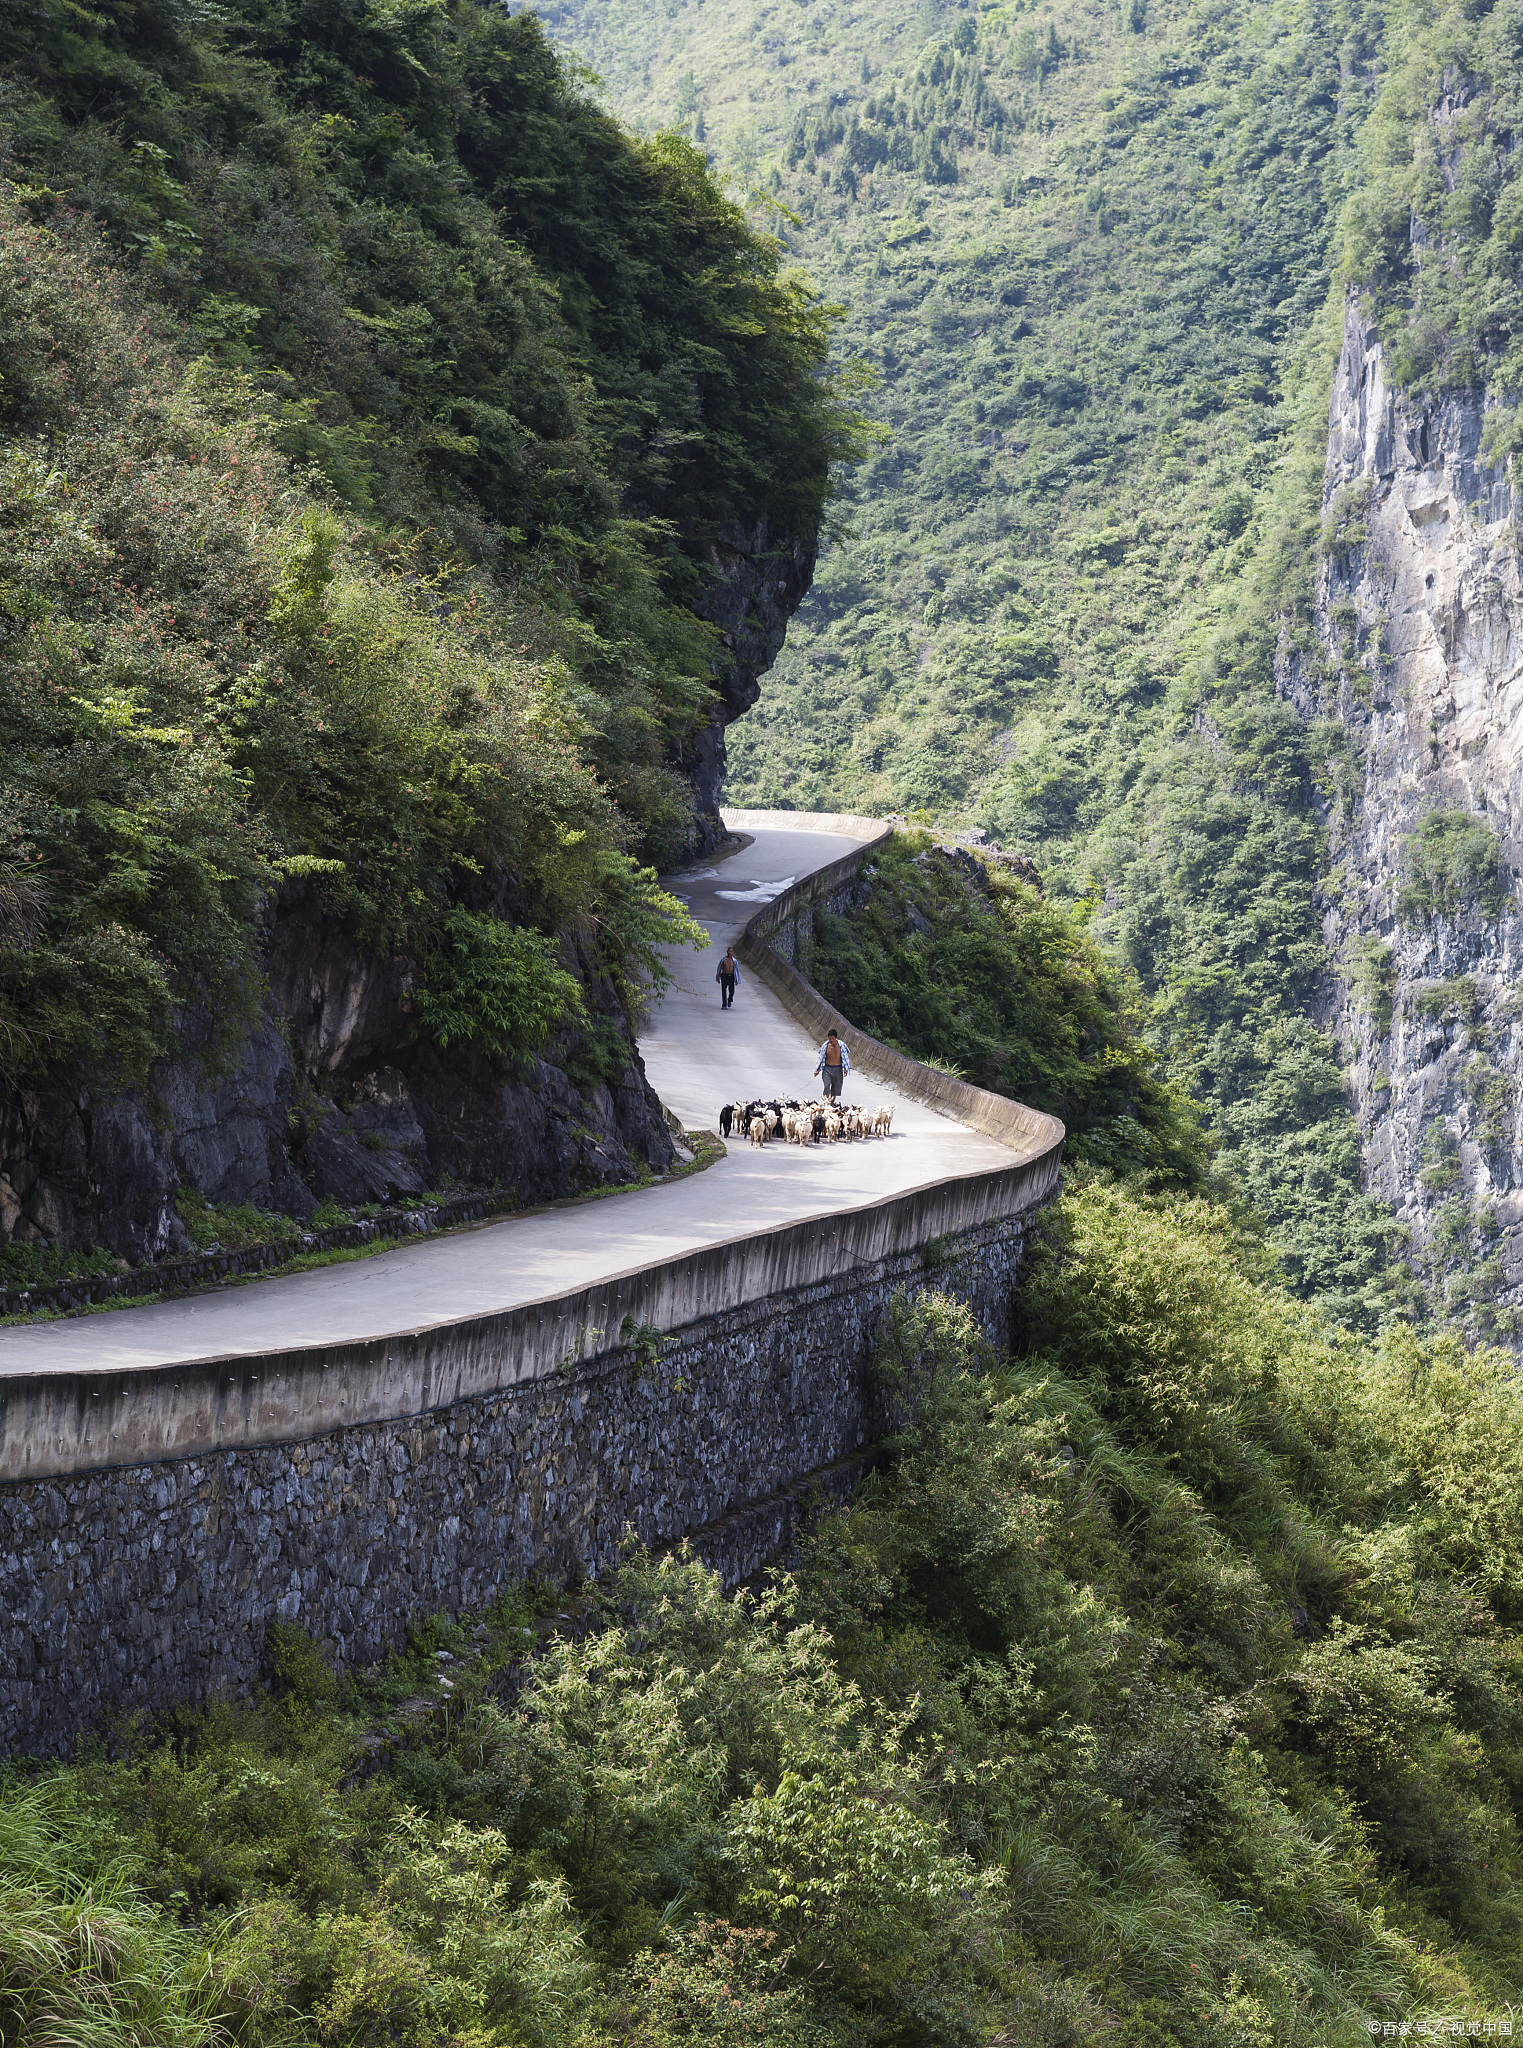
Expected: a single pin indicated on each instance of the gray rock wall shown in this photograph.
(1419, 617)
(126, 1588)
(759, 580)
(331, 1096)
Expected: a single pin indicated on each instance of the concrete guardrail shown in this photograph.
(1028, 1132)
(53, 1424)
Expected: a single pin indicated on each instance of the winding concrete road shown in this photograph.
(697, 1057)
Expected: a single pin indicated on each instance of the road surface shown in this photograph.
(697, 1057)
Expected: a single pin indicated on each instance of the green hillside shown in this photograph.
(1087, 254)
(961, 963)
(1163, 1690)
(1095, 257)
(1078, 246)
(371, 403)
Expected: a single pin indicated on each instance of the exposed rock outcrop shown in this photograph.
(1420, 622)
(760, 579)
(331, 1096)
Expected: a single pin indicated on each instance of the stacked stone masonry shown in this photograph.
(126, 1588)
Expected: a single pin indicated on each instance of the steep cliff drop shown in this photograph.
(1419, 619)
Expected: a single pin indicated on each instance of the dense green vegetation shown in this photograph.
(1453, 864)
(962, 964)
(1096, 257)
(957, 961)
(371, 404)
(1438, 151)
(1080, 251)
(1164, 1688)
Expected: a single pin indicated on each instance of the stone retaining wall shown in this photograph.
(125, 1588)
(153, 1523)
(55, 1424)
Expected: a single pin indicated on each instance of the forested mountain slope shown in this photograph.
(1074, 246)
(400, 466)
(1097, 258)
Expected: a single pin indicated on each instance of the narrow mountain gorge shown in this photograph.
(1173, 313)
(1099, 584)
(1010, 1592)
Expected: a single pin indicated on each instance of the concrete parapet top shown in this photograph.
(291, 1359)
(53, 1424)
(847, 823)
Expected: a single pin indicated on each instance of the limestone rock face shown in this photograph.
(1420, 621)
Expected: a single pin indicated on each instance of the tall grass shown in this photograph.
(86, 1959)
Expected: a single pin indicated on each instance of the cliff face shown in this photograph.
(330, 1097)
(1420, 619)
(760, 580)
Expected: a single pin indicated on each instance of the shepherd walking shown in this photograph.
(727, 974)
(833, 1065)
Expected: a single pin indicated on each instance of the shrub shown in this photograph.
(85, 1957)
(1451, 863)
(232, 1226)
(1454, 1001)
(1373, 980)
(495, 986)
(1154, 1300)
(717, 1985)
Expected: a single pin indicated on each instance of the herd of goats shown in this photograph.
(803, 1123)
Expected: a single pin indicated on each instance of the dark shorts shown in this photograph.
(832, 1077)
